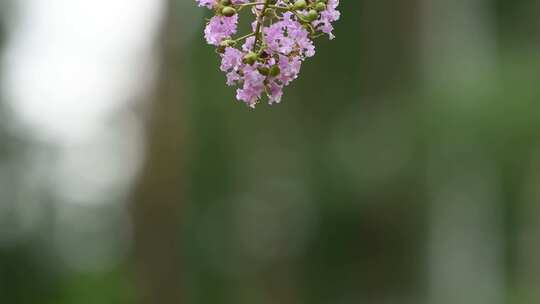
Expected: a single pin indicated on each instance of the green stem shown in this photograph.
(244, 37)
(300, 17)
(259, 24)
(250, 4)
(280, 7)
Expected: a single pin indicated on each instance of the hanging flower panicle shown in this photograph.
(268, 58)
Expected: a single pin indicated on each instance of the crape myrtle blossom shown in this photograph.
(264, 61)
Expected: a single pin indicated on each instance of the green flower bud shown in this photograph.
(264, 71)
(275, 71)
(228, 11)
(270, 13)
(320, 6)
(250, 58)
(300, 5)
(312, 15)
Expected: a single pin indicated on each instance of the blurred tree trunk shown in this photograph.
(389, 34)
(466, 248)
(160, 192)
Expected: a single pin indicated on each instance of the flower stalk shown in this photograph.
(260, 20)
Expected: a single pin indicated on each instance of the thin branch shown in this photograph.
(260, 20)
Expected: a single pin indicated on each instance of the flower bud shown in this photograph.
(312, 15)
(250, 58)
(264, 71)
(320, 6)
(300, 5)
(270, 13)
(275, 71)
(228, 11)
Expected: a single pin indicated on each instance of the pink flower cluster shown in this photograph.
(269, 58)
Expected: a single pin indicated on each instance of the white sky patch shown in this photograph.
(70, 70)
(70, 63)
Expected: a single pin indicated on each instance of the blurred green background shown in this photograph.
(403, 166)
